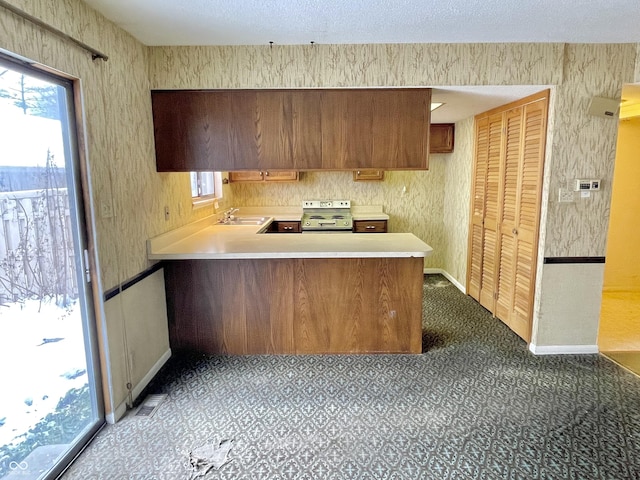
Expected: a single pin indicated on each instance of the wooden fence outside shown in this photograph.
(36, 246)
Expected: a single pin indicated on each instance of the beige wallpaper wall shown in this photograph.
(418, 211)
(355, 65)
(457, 188)
(584, 146)
(637, 75)
(117, 116)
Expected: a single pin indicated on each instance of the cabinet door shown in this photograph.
(400, 120)
(241, 129)
(441, 137)
(370, 226)
(306, 127)
(347, 122)
(204, 130)
(288, 227)
(368, 175)
(187, 137)
(247, 176)
(280, 176)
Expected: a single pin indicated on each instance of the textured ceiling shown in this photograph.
(256, 22)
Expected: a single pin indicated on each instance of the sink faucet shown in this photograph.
(228, 215)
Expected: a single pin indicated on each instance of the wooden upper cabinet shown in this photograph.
(341, 129)
(442, 137)
(375, 129)
(197, 131)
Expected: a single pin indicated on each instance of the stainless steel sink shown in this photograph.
(244, 220)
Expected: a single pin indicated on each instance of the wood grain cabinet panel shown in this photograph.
(400, 128)
(246, 176)
(278, 226)
(253, 176)
(370, 226)
(306, 128)
(442, 137)
(368, 175)
(306, 306)
(332, 129)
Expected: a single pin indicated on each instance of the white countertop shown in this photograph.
(206, 240)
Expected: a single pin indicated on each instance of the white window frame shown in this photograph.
(204, 200)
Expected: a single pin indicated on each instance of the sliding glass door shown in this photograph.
(50, 403)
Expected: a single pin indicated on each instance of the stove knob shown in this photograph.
(346, 223)
(307, 223)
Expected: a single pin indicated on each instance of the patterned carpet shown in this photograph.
(475, 405)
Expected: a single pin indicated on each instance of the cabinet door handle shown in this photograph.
(358, 173)
(266, 174)
(514, 231)
(372, 227)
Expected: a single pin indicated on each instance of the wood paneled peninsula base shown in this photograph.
(295, 305)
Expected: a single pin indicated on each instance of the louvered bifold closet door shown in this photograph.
(534, 127)
(474, 268)
(491, 206)
(507, 224)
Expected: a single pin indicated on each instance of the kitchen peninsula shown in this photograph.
(233, 290)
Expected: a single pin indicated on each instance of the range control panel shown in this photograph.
(326, 204)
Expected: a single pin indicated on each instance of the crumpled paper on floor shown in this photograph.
(209, 456)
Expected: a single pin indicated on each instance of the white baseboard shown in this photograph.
(448, 276)
(121, 409)
(563, 349)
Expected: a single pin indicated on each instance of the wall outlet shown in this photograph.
(565, 195)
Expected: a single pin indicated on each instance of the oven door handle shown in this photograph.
(326, 222)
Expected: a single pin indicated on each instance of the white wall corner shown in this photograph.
(448, 276)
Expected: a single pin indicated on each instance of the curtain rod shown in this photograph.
(95, 54)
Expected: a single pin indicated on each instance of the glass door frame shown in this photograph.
(80, 209)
